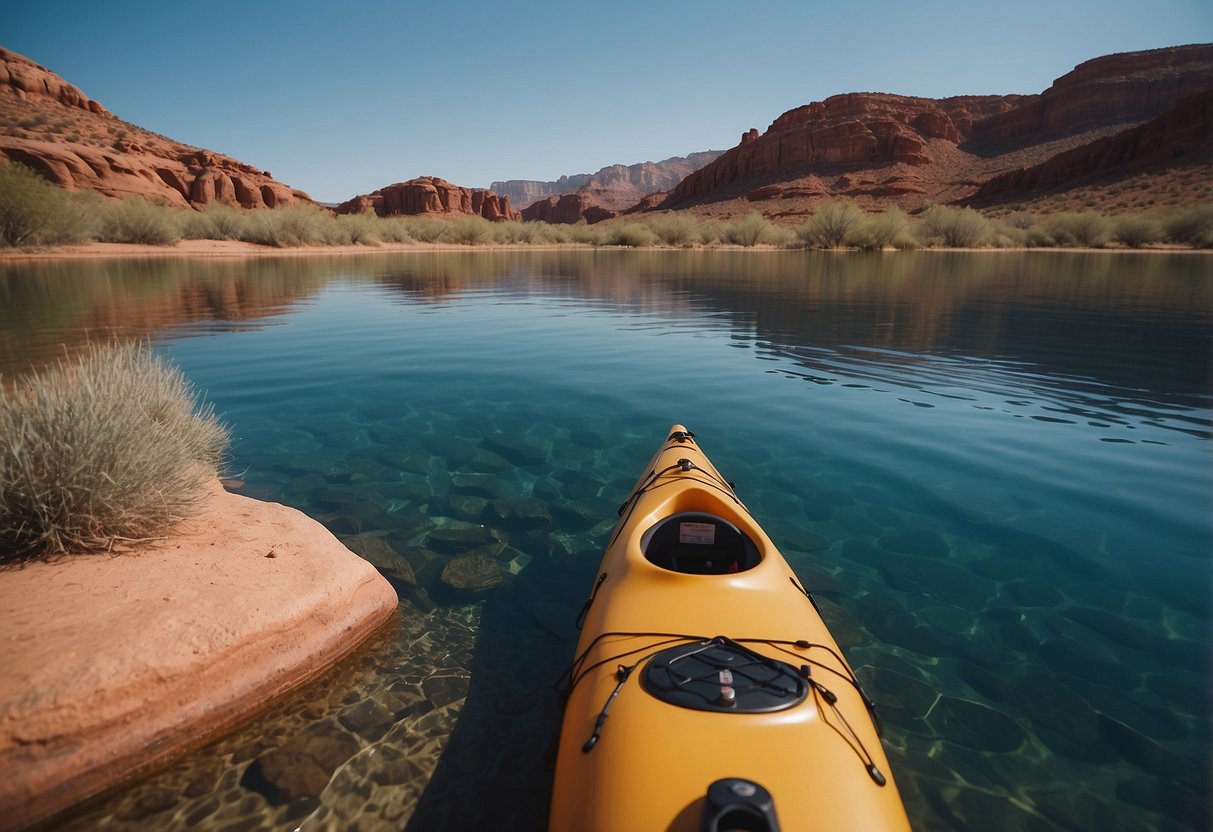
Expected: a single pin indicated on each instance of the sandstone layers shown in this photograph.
(429, 195)
(881, 148)
(115, 663)
(73, 141)
(599, 195)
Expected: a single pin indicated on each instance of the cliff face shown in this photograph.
(1183, 134)
(881, 148)
(429, 195)
(54, 128)
(1127, 88)
(567, 208)
(612, 187)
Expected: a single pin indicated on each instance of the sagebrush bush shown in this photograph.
(1136, 231)
(631, 234)
(468, 231)
(135, 220)
(293, 225)
(33, 212)
(875, 232)
(113, 449)
(674, 229)
(1087, 229)
(830, 224)
(953, 227)
(1191, 226)
(751, 230)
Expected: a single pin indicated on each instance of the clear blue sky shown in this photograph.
(340, 98)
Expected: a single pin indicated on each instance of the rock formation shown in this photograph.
(73, 141)
(1183, 134)
(615, 186)
(429, 195)
(881, 148)
(568, 208)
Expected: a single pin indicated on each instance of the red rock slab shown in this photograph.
(112, 664)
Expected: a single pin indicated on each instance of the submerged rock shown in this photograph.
(303, 766)
(472, 574)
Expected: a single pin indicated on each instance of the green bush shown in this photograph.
(468, 231)
(751, 230)
(631, 234)
(1136, 231)
(114, 449)
(831, 223)
(357, 229)
(293, 225)
(216, 222)
(425, 229)
(675, 229)
(135, 220)
(33, 212)
(394, 230)
(1086, 229)
(953, 227)
(875, 232)
(1191, 226)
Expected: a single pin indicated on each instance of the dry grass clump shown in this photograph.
(113, 449)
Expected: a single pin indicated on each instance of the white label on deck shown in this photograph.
(702, 533)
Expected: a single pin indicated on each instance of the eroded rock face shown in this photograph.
(54, 128)
(1182, 134)
(844, 130)
(430, 195)
(568, 208)
(879, 147)
(614, 186)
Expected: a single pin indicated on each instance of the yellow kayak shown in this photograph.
(707, 693)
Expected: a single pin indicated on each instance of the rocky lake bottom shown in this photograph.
(989, 469)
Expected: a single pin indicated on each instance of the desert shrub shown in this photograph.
(1086, 228)
(830, 224)
(905, 242)
(215, 222)
(34, 212)
(586, 234)
(1136, 231)
(751, 230)
(1021, 220)
(357, 229)
(631, 234)
(292, 225)
(953, 227)
(394, 230)
(674, 229)
(425, 229)
(874, 232)
(711, 232)
(135, 220)
(1191, 226)
(113, 449)
(468, 231)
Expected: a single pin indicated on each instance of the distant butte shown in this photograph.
(429, 195)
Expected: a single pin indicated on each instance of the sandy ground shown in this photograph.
(113, 664)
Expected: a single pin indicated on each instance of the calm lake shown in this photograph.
(993, 469)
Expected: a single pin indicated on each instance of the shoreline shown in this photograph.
(136, 658)
(235, 249)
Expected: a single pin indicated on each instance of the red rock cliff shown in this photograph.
(429, 195)
(73, 141)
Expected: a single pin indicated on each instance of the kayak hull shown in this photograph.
(650, 763)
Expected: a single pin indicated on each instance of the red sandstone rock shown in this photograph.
(569, 209)
(116, 663)
(1182, 134)
(429, 195)
(98, 151)
(913, 150)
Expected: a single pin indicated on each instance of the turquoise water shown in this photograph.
(993, 469)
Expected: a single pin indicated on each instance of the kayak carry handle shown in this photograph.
(734, 804)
